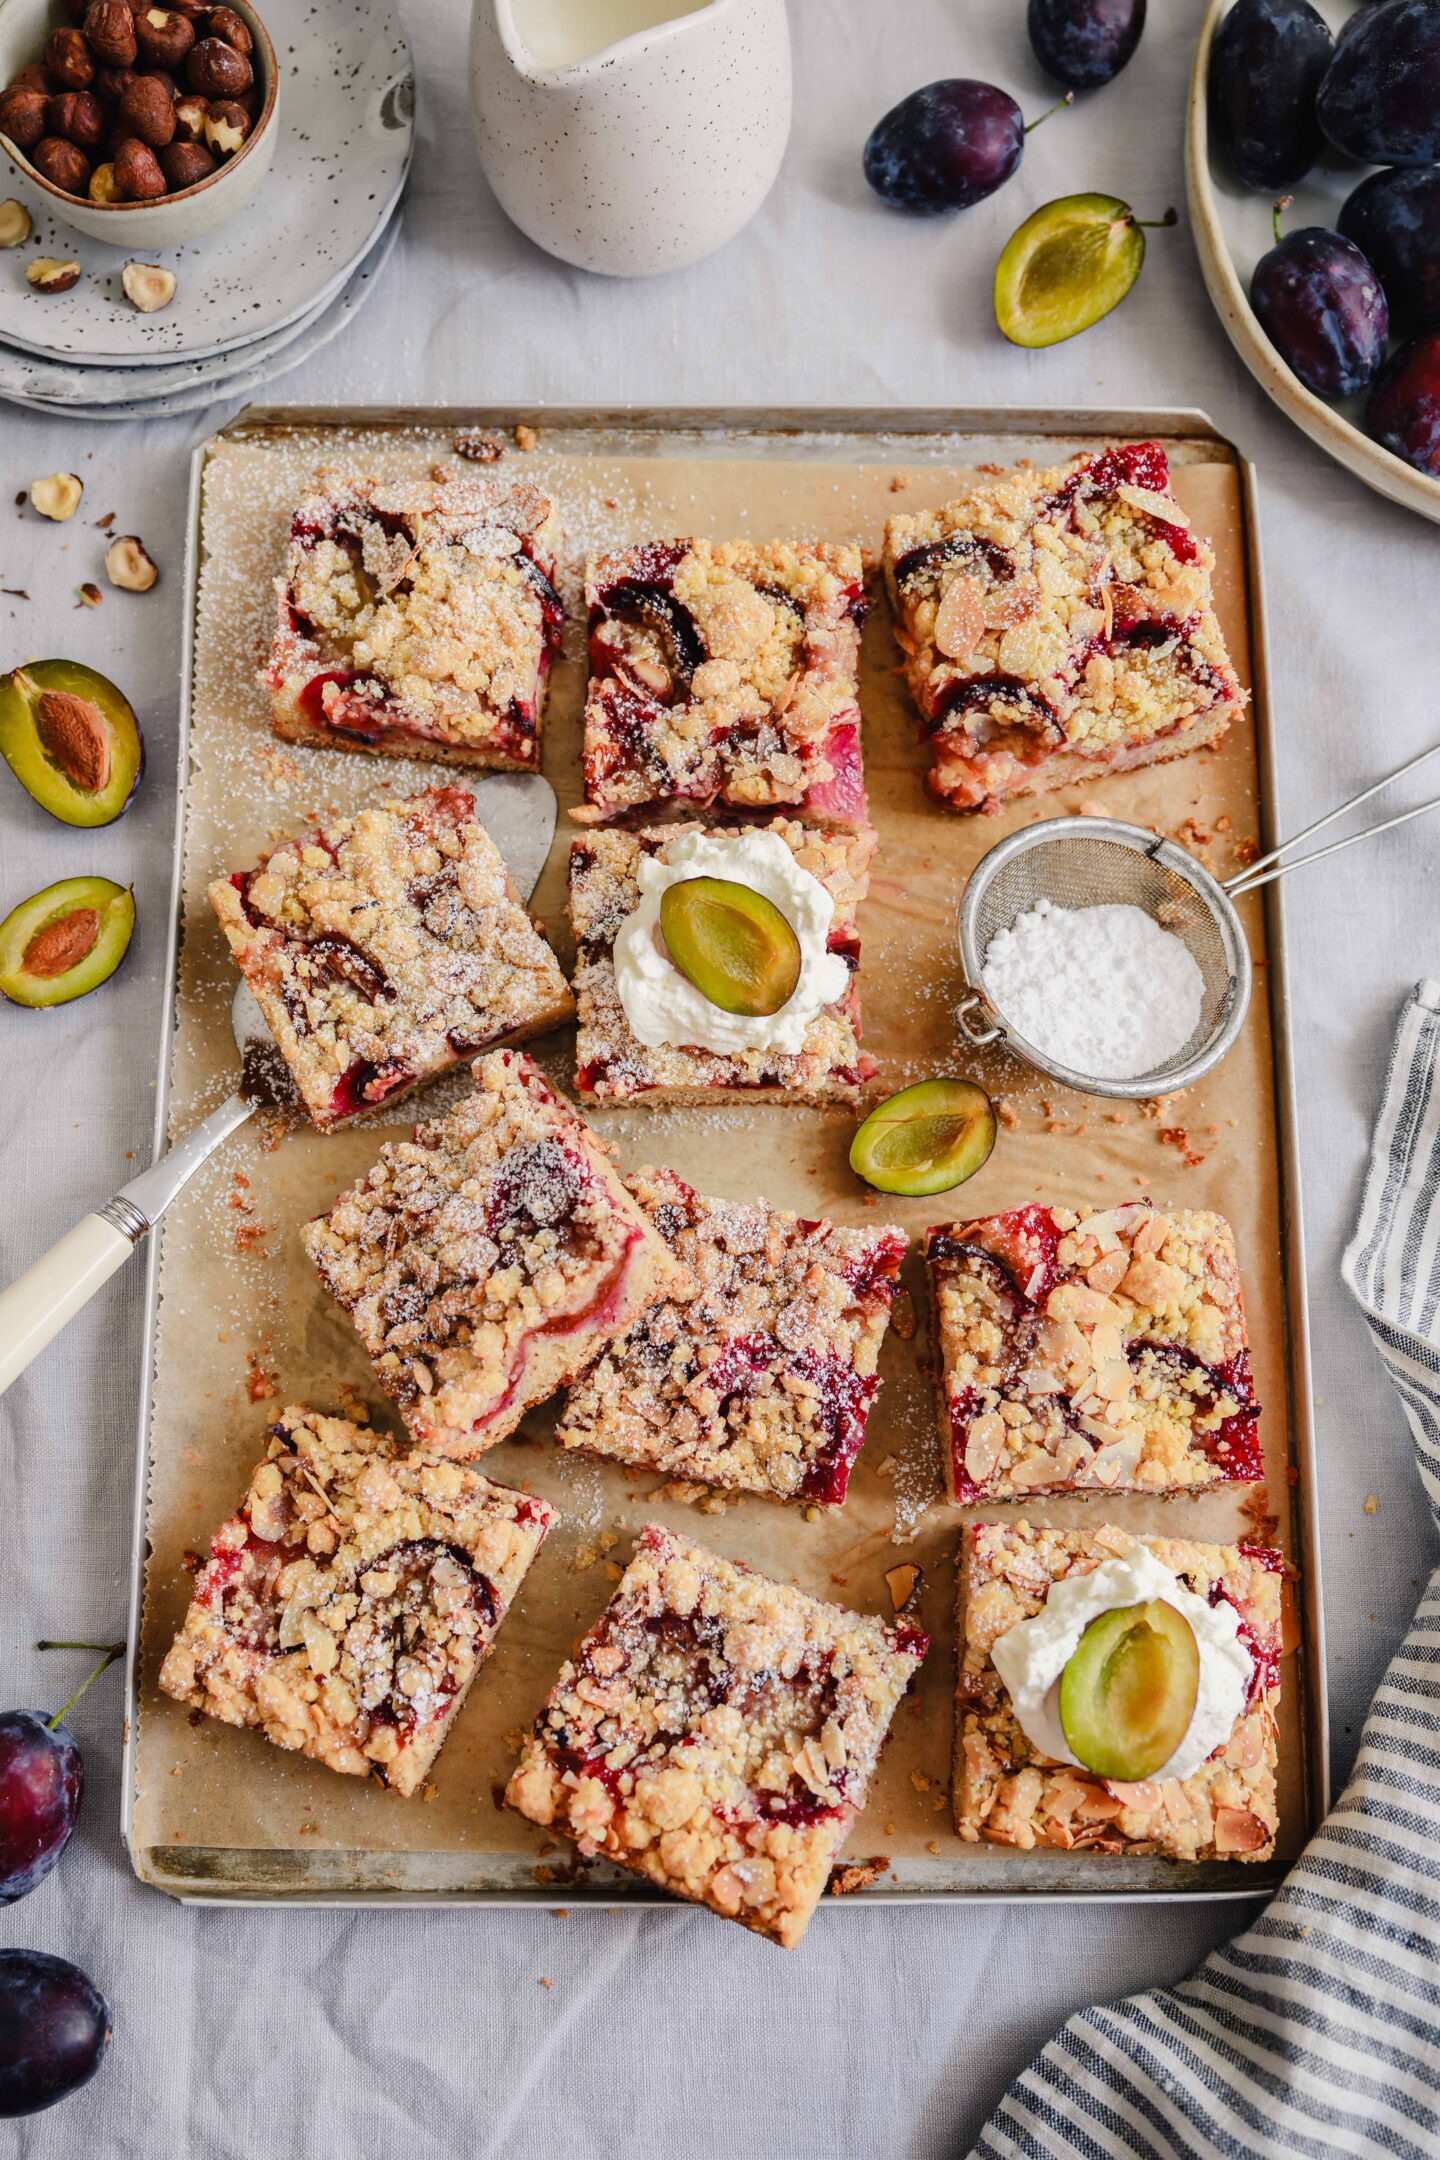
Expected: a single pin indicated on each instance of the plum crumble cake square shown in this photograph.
(724, 673)
(387, 947)
(1009, 1792)
(418, 618)
(346, 1608)
(1059, 626)
(487, 1260)
(1091, 1348)
(716, 1732)
(758, 1377)
(614, 1065)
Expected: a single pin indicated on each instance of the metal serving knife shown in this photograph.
(518, 810)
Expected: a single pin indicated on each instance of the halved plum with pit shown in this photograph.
(927, 1139)
(65, 941)
(732, 943)
(1127, 1694)
(71, 739)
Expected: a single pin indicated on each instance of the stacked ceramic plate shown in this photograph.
(261, 292)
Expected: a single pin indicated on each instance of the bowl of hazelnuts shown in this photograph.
(143, 124)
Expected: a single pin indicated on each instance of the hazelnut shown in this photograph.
(64, 164)
(112, 83)
(58, 495)
(68, 60)
(78, 115)
(164, 36)
(148, 111)
(104, 187)
(91, 596)
(110, 32)
(186, 164)
(22, 117)
(216, 70)
(137, 171)
(126, 562)
(15, 224)
(231, 29)
(30, 78)
(76, 10)
(49, 275)
(192, 10)
(166, 81)
(190, 118)
(226, 126)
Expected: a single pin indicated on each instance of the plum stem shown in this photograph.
(1050, 111)
(112, 1651)
(1283, 202)
(1157, 224)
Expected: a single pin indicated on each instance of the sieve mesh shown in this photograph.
(1100, 862)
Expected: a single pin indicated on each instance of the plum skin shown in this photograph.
(1085, 43)
(42, 1780)
(114, 907)
(54, 2029)
(1394, 218)
(1267, 63)
(945, 146)
(1380, 100)
(1323, 308)
(956, 1113)
(44, 781)
(1403, 412)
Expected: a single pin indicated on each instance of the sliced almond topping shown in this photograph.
(1011, 604)
(959, 619)
(1238, 1830)
(1163, 507)
(984, 1444)
(901, 1583)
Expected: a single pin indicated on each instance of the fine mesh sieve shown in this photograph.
(1095, 862)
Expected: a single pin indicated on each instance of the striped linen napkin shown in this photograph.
(1317, 2031)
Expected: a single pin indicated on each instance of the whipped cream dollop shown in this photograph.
(1031, 1656)
(664, 1007)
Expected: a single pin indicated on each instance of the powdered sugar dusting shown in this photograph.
(1102, 990)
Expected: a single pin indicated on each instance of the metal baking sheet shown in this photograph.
(184, 1864)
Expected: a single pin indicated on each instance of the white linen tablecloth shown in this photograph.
(321, 2035)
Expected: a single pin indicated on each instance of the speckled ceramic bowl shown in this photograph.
(168, 219)
(1232, 231)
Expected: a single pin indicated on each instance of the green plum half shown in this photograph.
(926, 1139)
(1127, 1694)
(71, 739)
(65, 941)
(732, 943)
(1070, 263)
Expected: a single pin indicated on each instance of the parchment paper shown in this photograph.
(244, 1327)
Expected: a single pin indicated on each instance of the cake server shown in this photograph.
(518, 810)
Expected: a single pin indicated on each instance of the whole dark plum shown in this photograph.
(946, 146)
(1380, 100)
(1085, 43)
(1267, 63)
(1403, 412)
(1394, 218)
(54, 2030)
(1323, 308)
(41, 1781)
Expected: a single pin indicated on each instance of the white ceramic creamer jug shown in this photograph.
(630, 135)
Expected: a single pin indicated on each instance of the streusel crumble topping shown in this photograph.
(716, 1732)
(486, 1260)
(1093, 1347)
(761, 1377)
(346, 1608)
(387, 947)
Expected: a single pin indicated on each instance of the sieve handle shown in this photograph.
(985, 1033)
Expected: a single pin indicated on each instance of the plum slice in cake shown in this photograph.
(486, 1261)
(346, 1607)
(1009, 1789)
(386, 948)
(1091, 1348)
(417, 618)
(724, 674)
(646, 1034)
(759, 1377)
(1059, 626)
(716, 1732)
